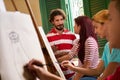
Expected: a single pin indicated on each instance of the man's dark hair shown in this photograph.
(56, 12)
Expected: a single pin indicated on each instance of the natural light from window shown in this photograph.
(76, 8)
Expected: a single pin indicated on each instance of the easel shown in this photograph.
(30, 11)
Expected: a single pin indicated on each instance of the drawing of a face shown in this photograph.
(14, 37)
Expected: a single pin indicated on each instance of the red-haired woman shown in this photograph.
(88, 49)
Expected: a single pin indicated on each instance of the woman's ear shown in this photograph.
(79, 27)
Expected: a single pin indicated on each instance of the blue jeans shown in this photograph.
(85, 78)
(70, 78)
(88, 78)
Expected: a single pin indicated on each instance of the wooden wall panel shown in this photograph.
(20, 5)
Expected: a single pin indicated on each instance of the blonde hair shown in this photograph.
(101, 16)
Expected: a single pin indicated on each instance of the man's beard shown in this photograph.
(59, 27)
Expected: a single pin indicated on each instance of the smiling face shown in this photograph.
(58, 22)
(99, 23)
(100, 29)
(114, 25)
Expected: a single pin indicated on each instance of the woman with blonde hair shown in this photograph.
(108, 63)
(99, 20)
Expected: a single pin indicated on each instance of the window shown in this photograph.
(77, 8)
(74, 9)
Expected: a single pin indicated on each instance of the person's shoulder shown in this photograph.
(115, 55)
(90, 39)
(52, 31)
(69, 32)
(116, 50)
(66, 31)
(106, 46)
(76, 41)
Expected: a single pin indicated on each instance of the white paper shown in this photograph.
(18, 45)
